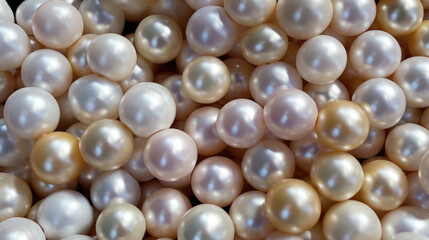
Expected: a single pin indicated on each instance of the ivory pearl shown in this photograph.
(405, 219)
(250, 13)
(178, 10)
(197, 4)
(418, 40)
(101, 17)
(77, 55)
(25, 12)
(14, 46)
(324, 93)
(142, 72)
(417, 196)
(135, 165)
(78, 237)
(77, 129)
(351, 17)
(6, 13)
(185, 56)
(15, 195)
(372, 144)
(21, 228)
(423, 172)
(14, 150)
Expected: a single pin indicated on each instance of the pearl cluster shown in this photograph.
(214, 120)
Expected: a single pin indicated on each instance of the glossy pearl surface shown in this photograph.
(423, 172)
(14, 150)
(6, 13)
(44, 189)
(101, 17)
(351, 17)
(240, 71)
(305, 151)
(372, 144)
(21, 228)
(25, 12)
(417, 196)
(142, 72)
(250, 13)
(185, 56)
(15, 197)
(14, 46)
(418, 40)
(324, 93)
(405, 219)
(77, 55)
(135, 165)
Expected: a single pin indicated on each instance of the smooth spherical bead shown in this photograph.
(57, 24)
(417, 196)
(290, 114)
(305, 151)
(351, 220)
(76, 129)
(178, 10)
(372, 144)
(351, 17)
(14, 46)
(142, 72)
(6, 13)
(78, 237)
(15, 195)
(101, 17)
(185, 56)
(266, 163)
(197, 4)
(206, 220)
(135, 165)
(321, 59)
(21, 228)
(25, 12)
(324, 93)
(240, 71)
(14, 150)
(405, 219)
(106, 144)
(77, 55)
(250, 13)
(342, 125)
(418, 40)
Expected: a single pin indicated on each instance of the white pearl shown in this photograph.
(6, 13)
(14, 46)
(20, 228)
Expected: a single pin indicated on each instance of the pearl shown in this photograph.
(305, 151)
(369, 60)
(134, 10)
(324, 93)
(87, 177)
(182, 184)
(185, 55)
(21, 228)
(417, 41)
(270, 78)
(14, 150)
(25, 121)
(315, 233)
(120, 220)
(217, 180)
(417, 196)
(77, 55)
(240, 71)
(352, 220)
(93, 98)
(77, 129)
(25, 12)
(382, 100)
(135, 165)
(74, 3)
(210, 31)
(342, 125)
(206, 220)
(424, 121)
(266, 163)
(32, 214)
(206, 79)
(57, 24)
(372, 144)
(321, 59)
(77, 237)
(14, 46)
(247, 213)
(409, 235)
(405, 219)
(44, 189)
(170, 154)
(178, 10)
(263, 44)
(290, 114)
(240, 123)
(406, 144)
(142, 72)
(106, 144)
(66, 116)
(250, 13)
(423, 172)
(116, 185)
(6, 13)
(147, 188)
(197, 4)
(7, 85)
(112, 56)
(351, 17)
(304, 19)
(101, 17)
(163, 211)
(147, 108)
(65, 213)
(15, 197)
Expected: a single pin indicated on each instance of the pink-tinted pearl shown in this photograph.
(240, 71)
(135, 165)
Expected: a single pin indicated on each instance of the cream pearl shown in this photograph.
(210, 31)
(405, 219)
(163, 211)
(170, 154)
(406, 144)
(270, 78)
(304, 19)
(266, 163)
(383, 101)
(418, 40)
(25, 12)
(217, 180)
(240, 71)
(351, 17)
(411, 76)
(106, 144)
(57, 24)
(32, 214)
(369, 60)
(25, 121)
(142, 72)
(315, 233)
(423, 172)
(6, 13)
(206, 220)
(147, 108)
(305, 151)
(77, 55)
(247, 213)
(14, 46)
(7, 85)
(240, 123)
(372, 144)
(65, 213)
(76, 129)
(16, 197)
(178, 10)
(21, 228)
(14, 150)
(263, 44)
(147, 188)
(135, 165)
(120, 220)
(417, 196)
(290, 114)
(116, 185)
(352, 220)
(93, 98)
(250, 13)
(322, 94)
(185, 55)
(22, 170)
(321, 59)
(47, 69)
(101, 17)
(44, 189)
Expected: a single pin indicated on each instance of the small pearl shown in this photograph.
(423, 172)
(142, 72)
(240, 71)
(7, 85)
(305, 151)
(134, 10)
(185, 56)
(417, 196)
(372, 144)
(197, 4)
(44, 189)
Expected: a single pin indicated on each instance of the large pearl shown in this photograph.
(240, 71)
(250, 13)
(352, 17)
(6, 13)
(24, 120)
(406, 144)
(44, 189)
(57, 24)
(106, 144)
(304, 19)
(405, 219)
(20, 228)
(15, 195)
(25, 12)
(270, 78)
(77, 55)
(163, 211)
(206, 220)
(240, 123)
(417, 196)
(383, 101)
(142, 72)
(290, 114)
(369, 60)
(14, 46)
(217, 180)
(342, 125)
(102, 17)
(338, 176)
(147, 108)
(112, 186)
(247, 213)
(305, 151)
(423, 172)
(324, 93)
(266, 163)
(351, 220)
(14, 150)
(210, 31)
(292, 206)
(170, 154)
(120, 221)
(65, 213)
(418, 40)
(321, 59)
(372, 144)
(7, 85)
(135, 165)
